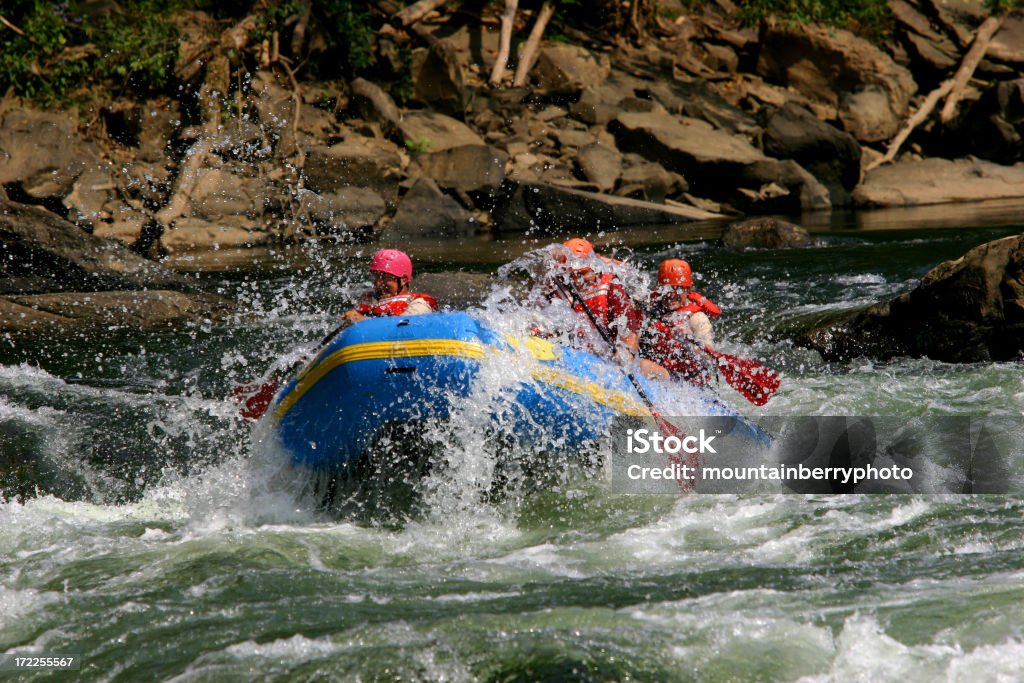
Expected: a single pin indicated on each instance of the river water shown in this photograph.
(148, 529)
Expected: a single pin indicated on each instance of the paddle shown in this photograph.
(754, 381)
(256, 398)
(663, 425)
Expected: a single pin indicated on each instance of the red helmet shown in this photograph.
(392, 262)
(675, 272)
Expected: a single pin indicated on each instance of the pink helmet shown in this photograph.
(392, 262)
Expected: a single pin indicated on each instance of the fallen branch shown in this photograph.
(919, 117)
(418, 10)
(14, 28)
(982, 39)
(529, 53)
(508, 18)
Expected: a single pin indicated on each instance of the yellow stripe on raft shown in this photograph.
(616, 400)
(376, 351)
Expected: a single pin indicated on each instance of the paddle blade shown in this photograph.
(255, 398)
(756, 382)
(690, 460)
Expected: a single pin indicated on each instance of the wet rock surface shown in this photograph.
(967, 310)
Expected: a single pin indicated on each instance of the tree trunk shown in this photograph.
(919, 117)
(529, 53)
(979, 46)
(508, 17)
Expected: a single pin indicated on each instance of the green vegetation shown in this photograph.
(871, 17)
(418, 146)
(56, 52)
(63, 50)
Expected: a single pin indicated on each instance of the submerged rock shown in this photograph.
(765, 233)
(106, 311)
(967, 310)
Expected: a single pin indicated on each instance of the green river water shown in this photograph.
(148, 529)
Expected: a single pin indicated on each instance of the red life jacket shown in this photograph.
(395, 305)
(663, 343)
(698, 303)
(596, 296)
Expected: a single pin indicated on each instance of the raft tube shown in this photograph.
(397, 370)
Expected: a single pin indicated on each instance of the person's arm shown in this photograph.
(418, 306)
(700, 327)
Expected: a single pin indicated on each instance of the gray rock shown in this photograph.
(716, 164)
(354, 162)
(653, 181)
(568, 68)
(220, 193)
(468, 168)
(967, 310)
(349, 211)
(938, 181)
(871, 91)
(438, 80)
(765, 233)
(531, 208)
(372, 103)
(425, 211)
(434, 132)
(1008, 43)
(42, 252)
(47, 314)
(600, 165)
(993, 126)
(830, 155)
(43, 153)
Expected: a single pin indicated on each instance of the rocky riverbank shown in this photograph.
(700, 117)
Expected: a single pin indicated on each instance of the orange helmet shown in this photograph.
(580, 247)
(675, 272)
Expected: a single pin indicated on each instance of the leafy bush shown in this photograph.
(63, 49)
(864, 16)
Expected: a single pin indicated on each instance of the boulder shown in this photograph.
(350, 211)
(42, 152)
(992, 128)
(568, 68)
(42, 252)
(371, 102)
(192, 234)
(1008, 42)
(425, 211)
(927, 45)
(220, 193)
(600, 165)
(830, 155)
(765, 233)
(105, 311)
(870, 90)
(438, 80)
(649, 181)
(938, 181)
(959, 18)
(967, 310)
(451, 153)
(469, 168)
(532, 207)
(716, 164)
(353, 162)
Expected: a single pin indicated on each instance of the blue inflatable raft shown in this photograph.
(398, 370)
